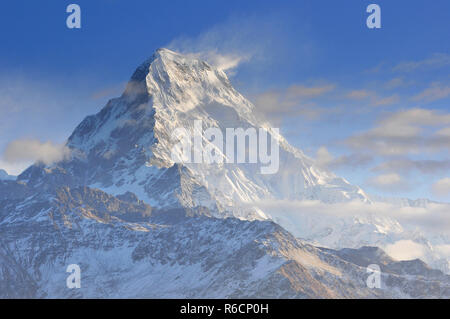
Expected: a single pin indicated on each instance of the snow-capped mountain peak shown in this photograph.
(128, 145)
(183, 83)
(130, 142)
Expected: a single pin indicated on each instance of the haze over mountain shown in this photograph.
(5, 176)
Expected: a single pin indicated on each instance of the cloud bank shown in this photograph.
(325, 160)
(442, 187)
(405, 250)
(295, 100)
(388, 182)
(32, 150)
(404, 232)
(405, 132)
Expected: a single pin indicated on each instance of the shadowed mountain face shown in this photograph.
(127, 249)
(139, 225)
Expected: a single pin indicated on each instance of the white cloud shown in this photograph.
(236, 40)
(359, 94)
(406, 166)
(404, 132)
(295, 100)
(372, 98)
(326, 160)
(323, 157)
(259, 40)
(435, 92)
(443, 250)
(442, 187)
(396, 83)
(383, 101)
(42, 107)
(419, 116)
(434, 218)
(388, 182)
(302, 91)
(31, 150)
(444, 132)
(224, 62)
(406, 250)
(437, 60)
(386, 179)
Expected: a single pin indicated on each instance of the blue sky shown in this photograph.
(338, 90)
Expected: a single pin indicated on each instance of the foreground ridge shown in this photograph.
(127, 249)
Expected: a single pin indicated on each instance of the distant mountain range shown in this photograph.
(5, 176)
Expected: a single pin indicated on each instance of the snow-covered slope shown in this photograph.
(127, 249)
(127, 147)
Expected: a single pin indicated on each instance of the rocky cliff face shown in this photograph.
(126, 249)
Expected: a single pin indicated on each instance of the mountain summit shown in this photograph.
(127, 145)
